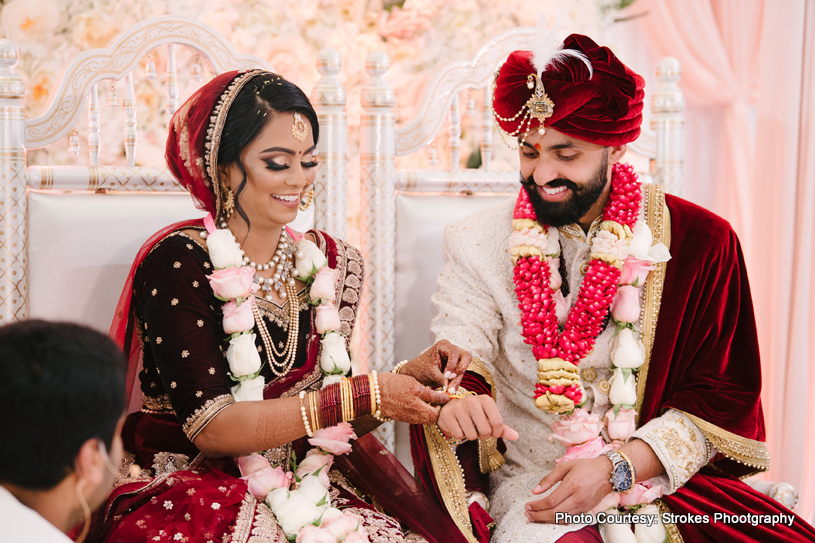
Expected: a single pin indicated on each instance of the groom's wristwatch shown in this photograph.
(623, 473)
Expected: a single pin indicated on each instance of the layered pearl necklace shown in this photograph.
(282, 263)
(559, 352)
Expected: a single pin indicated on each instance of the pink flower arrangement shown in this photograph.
(234, 282)
(343, 525)
(334, 440)
(621, 425)
(238, 318)
(590, 449)
(578, 428)
(626, 305)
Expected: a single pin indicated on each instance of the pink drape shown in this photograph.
(744, 56)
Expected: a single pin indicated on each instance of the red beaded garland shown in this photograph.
(531, 276)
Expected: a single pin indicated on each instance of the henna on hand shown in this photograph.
(405, 399)
(427, 367)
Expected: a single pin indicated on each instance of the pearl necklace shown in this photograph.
(282, 262)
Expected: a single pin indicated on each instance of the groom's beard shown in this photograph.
(573, 208)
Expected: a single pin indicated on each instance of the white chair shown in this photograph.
(404, 211)
(70, 233)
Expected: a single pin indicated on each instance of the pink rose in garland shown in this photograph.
(334, 440)
(312, 534)
(233, 282)
(327, 319)
(323, 287)
(644, 492)
(578, 428)
(264, 481)
(590, 449)
(626, 304)
(622, 425)
(238, 318)
(635, 271)
(251, 463)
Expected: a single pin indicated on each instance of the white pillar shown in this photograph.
(378, 214)
(13, 280)
(667, 119)
(329, 100)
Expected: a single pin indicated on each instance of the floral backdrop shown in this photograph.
(418, 35)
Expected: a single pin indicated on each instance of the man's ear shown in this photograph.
(616, 153)
(89, 464)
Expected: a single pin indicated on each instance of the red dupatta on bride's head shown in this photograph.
(192, 156)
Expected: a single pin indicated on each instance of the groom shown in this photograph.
(695, 397)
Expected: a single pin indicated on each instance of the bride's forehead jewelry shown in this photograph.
(299, 129)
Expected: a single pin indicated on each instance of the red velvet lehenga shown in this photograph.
(171, 316)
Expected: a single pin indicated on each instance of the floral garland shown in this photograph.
(300, 498)
(622, 256)
(534, 253)
(234, 284)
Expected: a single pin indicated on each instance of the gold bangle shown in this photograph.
(303, 413)
(315, 413)
(399, 366)
(346, 400)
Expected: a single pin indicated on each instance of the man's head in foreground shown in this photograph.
(63, 401)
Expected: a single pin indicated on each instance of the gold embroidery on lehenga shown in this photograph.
(380, 527)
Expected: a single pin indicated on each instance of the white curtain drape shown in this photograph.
(750, 64)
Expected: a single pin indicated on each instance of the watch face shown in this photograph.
(623, 481)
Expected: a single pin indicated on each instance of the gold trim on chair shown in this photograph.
(659, 221)
(745, 451)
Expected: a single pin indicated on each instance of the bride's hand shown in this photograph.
(405, 399)
(427, 367)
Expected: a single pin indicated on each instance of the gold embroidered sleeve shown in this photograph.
(201, 416)
(745, 451)
(678, 443)
(489, 459)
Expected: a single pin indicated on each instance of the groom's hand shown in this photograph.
(474, 417)
(583, 483)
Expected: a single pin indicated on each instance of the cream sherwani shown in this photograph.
(478, 311)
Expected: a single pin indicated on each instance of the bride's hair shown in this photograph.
(258, 101)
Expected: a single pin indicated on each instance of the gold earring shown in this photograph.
(86, 511)
(305, 204)
(229, 202)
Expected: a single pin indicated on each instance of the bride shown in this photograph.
(235, 324)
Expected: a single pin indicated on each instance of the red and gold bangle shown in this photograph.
(330, 405)
(361, 387)
(347, 399)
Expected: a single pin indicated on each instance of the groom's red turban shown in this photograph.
(604, 108)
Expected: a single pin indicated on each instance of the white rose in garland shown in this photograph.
(334, 358)
(243, 356)
(309, 259)
(249, 390)
(623, 388)
(224, 251)
(629, 352)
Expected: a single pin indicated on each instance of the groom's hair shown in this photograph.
(62, 384)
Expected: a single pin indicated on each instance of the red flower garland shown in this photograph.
(585, 320)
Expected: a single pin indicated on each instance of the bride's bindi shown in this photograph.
(537, 146)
